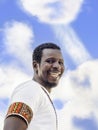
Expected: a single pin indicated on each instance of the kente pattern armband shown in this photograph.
(22, 110)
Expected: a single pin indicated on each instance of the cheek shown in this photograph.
(45, 66)
(62, 69)
(45, 69)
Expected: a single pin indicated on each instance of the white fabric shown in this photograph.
(31, 93)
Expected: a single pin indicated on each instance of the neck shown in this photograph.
(46, 87)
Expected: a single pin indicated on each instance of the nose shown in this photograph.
(56, 64)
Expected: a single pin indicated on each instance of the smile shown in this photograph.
(55, 74)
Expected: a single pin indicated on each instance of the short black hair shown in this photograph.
(37, 53)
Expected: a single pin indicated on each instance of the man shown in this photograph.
(31, 107)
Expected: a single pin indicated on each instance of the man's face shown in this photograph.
(51, 67)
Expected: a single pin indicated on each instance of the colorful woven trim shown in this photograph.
(20, 109)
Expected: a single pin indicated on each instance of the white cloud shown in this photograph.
(52, 11)
(71, 43)
(1, 122)
(11, 76)
(18, 38)
(62, 12)
(79, 89)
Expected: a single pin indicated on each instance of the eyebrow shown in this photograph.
(54, 58)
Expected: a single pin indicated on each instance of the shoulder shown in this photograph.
(28, 86)
(29, 91)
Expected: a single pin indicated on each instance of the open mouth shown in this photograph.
(55, 75)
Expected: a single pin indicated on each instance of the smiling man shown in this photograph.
(31, 107)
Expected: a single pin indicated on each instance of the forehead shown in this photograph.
(54, 53)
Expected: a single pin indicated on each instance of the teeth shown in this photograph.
(54, 74)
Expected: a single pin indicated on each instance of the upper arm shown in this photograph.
(18, 116)
(14, 123)
(24, 104)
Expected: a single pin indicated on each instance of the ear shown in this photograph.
(35, 66)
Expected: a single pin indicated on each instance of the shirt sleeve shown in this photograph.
(24, 102)
(22, 110)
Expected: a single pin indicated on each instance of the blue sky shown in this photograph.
(71, 24)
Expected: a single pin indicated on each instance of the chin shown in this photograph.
(51, 84)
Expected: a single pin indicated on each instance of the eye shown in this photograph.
(50, 61)
(61, 63)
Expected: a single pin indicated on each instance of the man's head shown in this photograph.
(48, 64)
(37, 53)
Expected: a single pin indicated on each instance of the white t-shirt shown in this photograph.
(32, 94)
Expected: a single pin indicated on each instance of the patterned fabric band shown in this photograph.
(22, 110)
